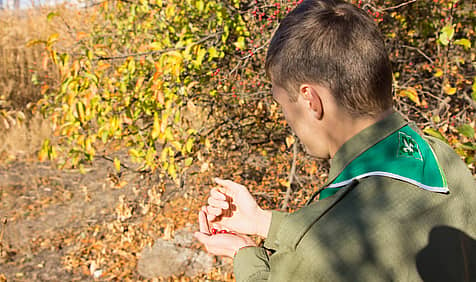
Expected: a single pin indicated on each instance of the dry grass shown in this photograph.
(23, 69)
(24, 139)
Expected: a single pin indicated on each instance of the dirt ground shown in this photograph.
(61, 225)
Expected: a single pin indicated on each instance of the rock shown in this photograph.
(174, 257)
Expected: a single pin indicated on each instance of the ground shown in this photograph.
(61, 225)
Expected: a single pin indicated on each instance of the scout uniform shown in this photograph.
(397, 207)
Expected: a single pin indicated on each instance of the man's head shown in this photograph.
(335, 45)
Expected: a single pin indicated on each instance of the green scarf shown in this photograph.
(404, 155)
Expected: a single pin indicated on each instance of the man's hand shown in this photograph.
(232, 207)
(222, 244)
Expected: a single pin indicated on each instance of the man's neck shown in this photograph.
(345, 127)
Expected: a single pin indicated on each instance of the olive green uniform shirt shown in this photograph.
(374, 229)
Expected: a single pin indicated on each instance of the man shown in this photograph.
(394, 198)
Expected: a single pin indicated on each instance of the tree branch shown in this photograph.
(399, 5)
(419, 51)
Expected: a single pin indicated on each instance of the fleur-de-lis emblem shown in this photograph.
(408, 147)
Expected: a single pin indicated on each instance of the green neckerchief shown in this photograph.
(404, 155)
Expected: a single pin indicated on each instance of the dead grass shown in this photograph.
(24, 139)
(24, 69)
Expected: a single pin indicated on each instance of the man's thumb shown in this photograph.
(202, 237)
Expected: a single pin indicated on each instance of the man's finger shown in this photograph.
(203, 223)
(214, 211)
(218, 203)
(215, 193)
(207, 214)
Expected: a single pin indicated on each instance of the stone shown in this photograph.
(173, 258)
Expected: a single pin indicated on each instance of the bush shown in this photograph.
(171, 80)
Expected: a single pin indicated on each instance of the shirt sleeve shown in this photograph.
(271, 241)
(251, 264)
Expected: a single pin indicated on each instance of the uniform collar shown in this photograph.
(362, 141)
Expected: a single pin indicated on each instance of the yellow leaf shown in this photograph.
(212, 51)
(188, 161)
(189, 145)
(438, 73)
(42, 155)
(284, 182)
(156, 127)
(155, 46)
(176, 144)
(207, 143)
(449, 90)
(117, 164)
(240, 43)
(412, 94)
(53, 37)
(134, 153)
(290, 141)
(172, 170)
(164, 122)
(80, 35)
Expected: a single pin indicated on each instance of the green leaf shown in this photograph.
(35, 42)
(188, 161)
(51, 15)
(240, 43)
(200, 5)
(212, 53)
(468, 146)
(473, 95)
(446, 34)
(463, 42)
(435, 133)
(467, 130)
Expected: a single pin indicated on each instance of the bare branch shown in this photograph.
(419, 51)
(399, 5)
(368, 6)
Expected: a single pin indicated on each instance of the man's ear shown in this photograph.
(311, 95)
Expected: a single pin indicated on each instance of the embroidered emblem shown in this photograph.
(408, 147)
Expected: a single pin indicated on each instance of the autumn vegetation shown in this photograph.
(176, 90)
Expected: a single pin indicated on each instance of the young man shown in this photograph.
(394, 198)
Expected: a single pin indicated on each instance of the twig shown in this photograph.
(399, 5)
(4, 224)
(369, 6)
(470, 101)
(291, 176)
(419, 51)
(112, 160)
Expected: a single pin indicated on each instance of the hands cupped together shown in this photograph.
(231, 207)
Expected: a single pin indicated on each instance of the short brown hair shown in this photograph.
(337, 45)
